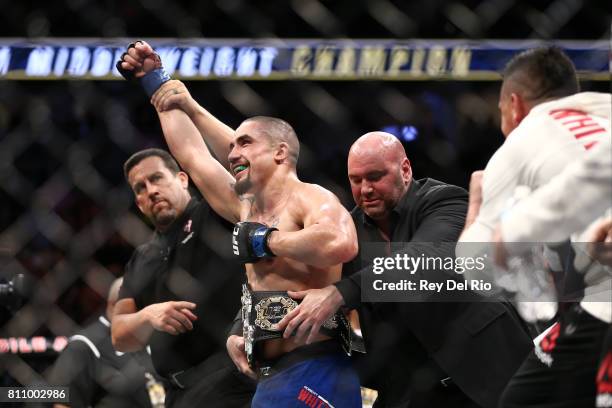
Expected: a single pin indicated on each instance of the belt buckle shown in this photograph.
(271, 310)
(446, 382)
(265, 371)
(175, 380)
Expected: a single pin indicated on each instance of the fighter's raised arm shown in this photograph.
(138, 60)
(184, 139)
(210, 177)
(174, 94)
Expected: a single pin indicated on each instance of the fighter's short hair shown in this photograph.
(543, 73)
(278, 130)
(140, 155)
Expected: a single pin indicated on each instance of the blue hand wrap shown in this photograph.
(153, 80)
(258, 242)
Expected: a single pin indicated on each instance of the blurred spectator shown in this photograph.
(97, 374)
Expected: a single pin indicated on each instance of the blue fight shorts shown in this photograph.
(326, 379)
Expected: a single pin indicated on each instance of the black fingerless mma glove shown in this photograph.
(150, 81)
(250, 241)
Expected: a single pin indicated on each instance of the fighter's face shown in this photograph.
(250, 157)
(377, 184)
(160, 195)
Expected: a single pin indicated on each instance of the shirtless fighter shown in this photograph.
(291, 235)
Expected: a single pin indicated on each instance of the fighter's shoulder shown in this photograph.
(314, 193)
(312, 198)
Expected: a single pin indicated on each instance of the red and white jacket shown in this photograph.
(553, 135)
(550, 138)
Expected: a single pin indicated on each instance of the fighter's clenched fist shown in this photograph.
(141, 63)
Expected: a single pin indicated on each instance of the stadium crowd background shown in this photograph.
(67, 219)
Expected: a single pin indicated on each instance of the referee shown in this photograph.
(180, 289)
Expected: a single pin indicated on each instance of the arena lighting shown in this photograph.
(405, 133)
(32, 345)
(277, 59)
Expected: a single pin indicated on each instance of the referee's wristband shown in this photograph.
(153, 80)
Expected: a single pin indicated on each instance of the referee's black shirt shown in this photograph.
(192, 261)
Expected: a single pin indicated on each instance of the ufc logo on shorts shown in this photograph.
(234, 242)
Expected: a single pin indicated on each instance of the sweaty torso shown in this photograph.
(280, 273)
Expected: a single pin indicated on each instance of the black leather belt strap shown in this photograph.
(186, 378)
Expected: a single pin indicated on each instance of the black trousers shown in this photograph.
(224, 388)
(561, 371)
(434, 397)
(604, 375)
(412, 383)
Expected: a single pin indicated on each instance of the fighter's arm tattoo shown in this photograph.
(273, 223)
(249, 199)
(274, 220)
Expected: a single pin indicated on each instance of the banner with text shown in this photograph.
(275, 59)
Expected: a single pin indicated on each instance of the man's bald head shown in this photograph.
(379, 173)
(379, 143)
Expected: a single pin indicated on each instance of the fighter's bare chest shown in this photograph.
(283, 222)
(283, 219)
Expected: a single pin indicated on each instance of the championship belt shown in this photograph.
(263, 310)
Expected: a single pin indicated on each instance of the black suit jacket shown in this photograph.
(478, 344)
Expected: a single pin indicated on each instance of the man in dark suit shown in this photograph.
(419, 354)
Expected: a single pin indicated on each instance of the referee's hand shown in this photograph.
(173, 317)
